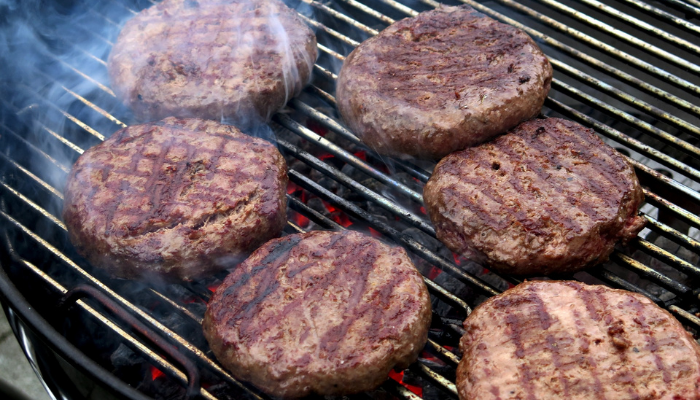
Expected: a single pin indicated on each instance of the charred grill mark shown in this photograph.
(515, 181)
(110, 209)
(514, 324)
(625, 376)
(552, 345)
(342, 270)
(383, 294)
(652, 345)
(440, 35)
(544, 151)
(607, 164)
(454, 193)
(495, 392)
(265, 274)
(590, 361)
(331, 341)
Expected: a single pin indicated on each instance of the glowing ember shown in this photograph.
(301, 220)
(361, 155)
(398, 377)
(325, 156)
(156, 373)
(292, 187)
(375, 233)
(427, 356)
(212, 287)
(422, 209)
(316, 127)
(190, 300)
(336, 215)
(434, 272)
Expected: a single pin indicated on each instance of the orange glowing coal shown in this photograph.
(156, 373)
(398, 377)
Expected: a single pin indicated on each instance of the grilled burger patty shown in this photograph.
(568, 340)
(240, 60)
(180, 198)
(319, 312)
(549, 196)
(441, 81)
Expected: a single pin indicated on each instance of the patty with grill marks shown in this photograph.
(441, 81)
(236, 60)
(549, 196)
(568, 340)
(179, 198)
(321, 312)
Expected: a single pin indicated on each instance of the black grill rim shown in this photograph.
(53, 340)
(90, 368)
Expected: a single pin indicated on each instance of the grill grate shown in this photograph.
(623, 67)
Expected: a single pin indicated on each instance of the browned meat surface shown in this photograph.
(568, 340)
(547, 197)
(441, 81)
(179, 198)
(320, 312)
(238, 60)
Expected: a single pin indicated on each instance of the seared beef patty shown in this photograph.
(320, 312)
(441, 81)
(179, 198)
(568, 340)
(238, 60)
(549, 196)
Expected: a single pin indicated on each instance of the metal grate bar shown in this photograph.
(641, 147)
(183, 344)
(623, 116)
(336, 127)
(589, 40)
(436, 378)
(369, 11)
(429, 373)
(659, 13)
(22, 140)
(412, 244)
(38, 180)
(344, 155)
(334, 173)
(625, 97)
(330, 31)
(619, 137)
(660, 202)
(152, 357)
(685, 7)
(674, 235)
(48, 130)
(667, 257)
(637, 23)
(579, 55)
(638, 146)
(660, 53)
(342, 17)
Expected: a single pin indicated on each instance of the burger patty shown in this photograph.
(549, 196)
(568, 340)
(441, 81)
(179, 198)
(319, 312)
(238, 60)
